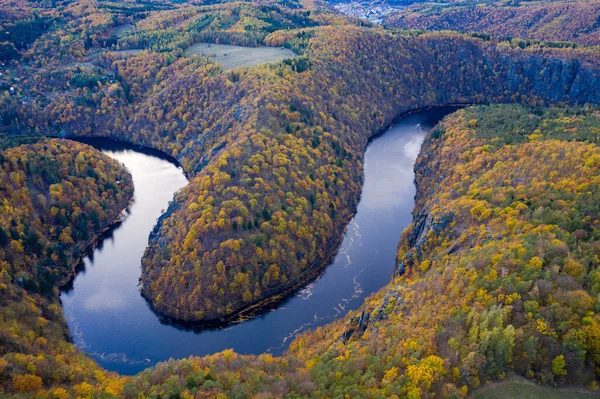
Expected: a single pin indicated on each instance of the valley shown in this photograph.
(248, 179)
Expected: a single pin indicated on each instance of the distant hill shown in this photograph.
(571, 21)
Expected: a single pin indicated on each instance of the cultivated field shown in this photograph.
(235, 56)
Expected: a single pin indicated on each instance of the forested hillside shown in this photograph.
(57, 196)
(551, 21)
(495, 276)
(498, 272)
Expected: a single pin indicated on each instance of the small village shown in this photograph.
(374, 13)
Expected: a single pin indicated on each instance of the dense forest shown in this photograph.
(552, 21)
(495, 276)
(57, 197)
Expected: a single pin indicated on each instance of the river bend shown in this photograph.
(109, 319)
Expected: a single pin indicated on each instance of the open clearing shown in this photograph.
(518, 387)
(82, 65)
(235, 56)
(122, 30)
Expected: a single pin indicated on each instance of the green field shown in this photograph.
(235, 56)
(517, 387)
(122, 30)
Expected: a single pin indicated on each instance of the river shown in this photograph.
(109, 319)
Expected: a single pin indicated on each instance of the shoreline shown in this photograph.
(63, 284)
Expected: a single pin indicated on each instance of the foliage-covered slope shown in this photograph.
(569, 21)
(499, 275)
(499, 272)
(56, 198)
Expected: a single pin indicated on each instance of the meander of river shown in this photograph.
(109, 319)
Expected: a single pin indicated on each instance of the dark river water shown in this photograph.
(110, 320)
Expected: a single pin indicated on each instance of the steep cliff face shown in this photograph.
(555, 80)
